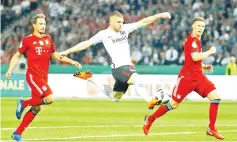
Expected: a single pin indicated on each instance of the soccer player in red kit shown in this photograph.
(38, 48)
(191, 78)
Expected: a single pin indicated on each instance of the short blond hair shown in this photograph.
(199, 19)
(35, 17)
(116, 14)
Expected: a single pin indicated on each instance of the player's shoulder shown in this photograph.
(125, 26)
(104, 31)
(193, 38)
(48, 38)
(27, 37)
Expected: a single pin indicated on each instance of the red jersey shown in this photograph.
(37, 51)
(192, 69)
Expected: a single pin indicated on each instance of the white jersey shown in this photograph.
(116, 44)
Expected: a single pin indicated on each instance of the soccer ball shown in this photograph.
(162, 95)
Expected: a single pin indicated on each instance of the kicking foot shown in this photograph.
(214, 133)
(147, 125)
(17, 137)
(153, 102)
(19, 108)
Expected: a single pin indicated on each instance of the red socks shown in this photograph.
(160, 111)
(213, 110)
(29, 116)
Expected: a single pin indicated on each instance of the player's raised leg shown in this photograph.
(213, 111)
(35, 101)
(39, 88)
(29, 116)
(22, 104)
(141, 90)
(37, 96)
(38, 101)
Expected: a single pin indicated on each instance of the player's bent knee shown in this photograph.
(35, 109)
(173, 104)
(217, 97)
(49, 99)
(213, 95)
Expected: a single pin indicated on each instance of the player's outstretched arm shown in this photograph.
(56, 56)
(79, 47)
(148, 20)
(14, 60)
(197, 56)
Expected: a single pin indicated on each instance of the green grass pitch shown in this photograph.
(104, 120)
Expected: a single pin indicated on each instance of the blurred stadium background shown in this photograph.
(81, 112)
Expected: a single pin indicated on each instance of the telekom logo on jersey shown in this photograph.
(38, 50)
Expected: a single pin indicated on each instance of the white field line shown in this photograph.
(120, 135)
(113, 126)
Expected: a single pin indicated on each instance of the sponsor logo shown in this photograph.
(119, 39)
(38, 50)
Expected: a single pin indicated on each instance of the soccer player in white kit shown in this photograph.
(115, 40)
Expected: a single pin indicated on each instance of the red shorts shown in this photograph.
(185, 85)
(39, 86)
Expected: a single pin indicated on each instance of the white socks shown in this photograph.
(141, 89)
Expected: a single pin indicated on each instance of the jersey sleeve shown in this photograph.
(97, 38)
(23, 46)
(130, 27)
(52, 46)
(194, 47)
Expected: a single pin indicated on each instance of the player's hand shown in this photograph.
(75, 63)
(63, 53)
(8, 75)
(212, 50)
(208, 67)
(165, 15)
